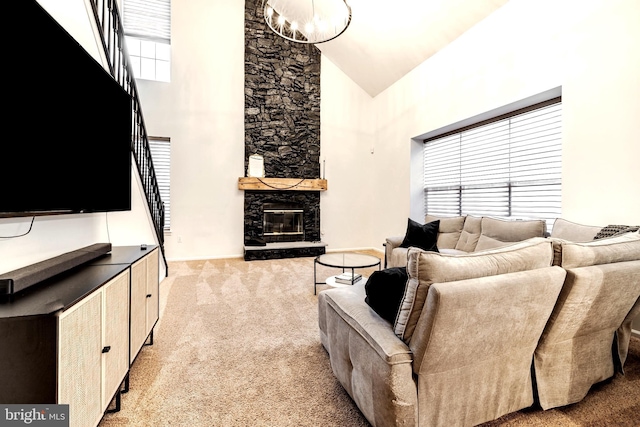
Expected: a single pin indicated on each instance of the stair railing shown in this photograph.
(111, 32)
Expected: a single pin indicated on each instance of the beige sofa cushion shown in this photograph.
(597, 303)
(449, 230)
(397, 257)
(498, 232)
(371, 363)
(567, 230)
(474, 344)
(604, 251)
(426, 268)
(624, 334)
(575, 350)
(470, 234)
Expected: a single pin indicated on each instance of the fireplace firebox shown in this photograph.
(283, 223)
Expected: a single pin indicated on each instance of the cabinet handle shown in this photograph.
(148, 295)
(106, 349)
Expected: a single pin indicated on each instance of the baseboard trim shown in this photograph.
(355, 250)
(635, 333)
(206, 257)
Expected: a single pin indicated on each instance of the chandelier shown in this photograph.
(307, 21)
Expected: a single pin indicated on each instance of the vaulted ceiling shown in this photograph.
(388, 38)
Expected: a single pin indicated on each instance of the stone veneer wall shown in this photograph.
(282, 119)
(282, 100)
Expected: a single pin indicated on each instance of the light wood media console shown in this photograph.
(72, 339)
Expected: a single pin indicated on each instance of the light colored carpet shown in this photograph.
(237, 344)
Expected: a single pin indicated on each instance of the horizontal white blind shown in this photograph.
(148, 19)
(161, 156)
(509, 168)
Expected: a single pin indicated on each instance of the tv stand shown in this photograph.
(71, 338)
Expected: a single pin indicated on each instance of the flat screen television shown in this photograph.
(67, 140)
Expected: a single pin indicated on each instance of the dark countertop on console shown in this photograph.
(123, 255)
(66, 289)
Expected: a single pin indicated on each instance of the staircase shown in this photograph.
(111, 32)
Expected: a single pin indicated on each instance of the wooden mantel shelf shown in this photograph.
(281, 184)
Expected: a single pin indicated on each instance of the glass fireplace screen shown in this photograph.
(283, 225)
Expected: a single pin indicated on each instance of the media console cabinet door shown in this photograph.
(115, 346)
(138, 306)
(80, 361)
(152, 289)
(144, 300)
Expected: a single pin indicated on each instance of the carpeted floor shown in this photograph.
(237, 345)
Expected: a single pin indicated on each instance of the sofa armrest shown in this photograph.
(372, 364)
(394, 241)
(390, 244)
(376, 331)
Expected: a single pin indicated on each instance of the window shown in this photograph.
(508, 167)
(147, 27)
(161, 156)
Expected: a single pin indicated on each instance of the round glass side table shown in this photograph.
(345, 261)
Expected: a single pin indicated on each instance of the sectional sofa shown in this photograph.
(464, 234)
(488, 325)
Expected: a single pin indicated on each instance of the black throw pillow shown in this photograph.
(421, 236)
(385, 289)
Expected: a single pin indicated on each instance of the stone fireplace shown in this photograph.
(298, 236)
(282, 224)
(282, 124)
(258, 203)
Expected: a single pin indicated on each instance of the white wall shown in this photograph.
(589, 48)
(134, 227)
(49, 237)
(202, 111)
(76, 17)
(346, 118)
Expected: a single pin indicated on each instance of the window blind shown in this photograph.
(161, 156)
(148, 19)
(508, 168)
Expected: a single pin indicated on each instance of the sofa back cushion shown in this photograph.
(499, 232)
(470, 234)
(604, 251)
(507, 314)
(567, 230)
(448, 231)
(575, 351)
(426, 268)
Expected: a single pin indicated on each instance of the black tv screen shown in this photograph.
(69, 121)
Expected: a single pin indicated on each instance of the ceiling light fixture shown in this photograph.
(307, 21)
